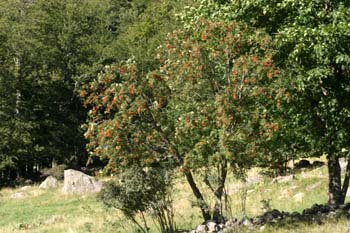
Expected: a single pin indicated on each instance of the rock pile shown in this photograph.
(316, 213)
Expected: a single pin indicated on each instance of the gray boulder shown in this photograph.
(18, 195)
(231, 223)
(76, 182)
(283, 179)
(24, 188)
(246, 222)
(201, 229)
(49, 183)
(211, 226)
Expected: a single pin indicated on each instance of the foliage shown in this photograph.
(143, 25)
(318, 46)
(311, 41)
(44, 46)
(279, 146)
(209, 103)
(48, 50)
(219, 75)
(56, 171)
(203, 109)
(141, 191)
(15, 130)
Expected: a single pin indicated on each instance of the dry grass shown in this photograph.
(50, 211)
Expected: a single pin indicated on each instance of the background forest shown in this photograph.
(48, 50)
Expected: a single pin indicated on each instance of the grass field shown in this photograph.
(51, 211)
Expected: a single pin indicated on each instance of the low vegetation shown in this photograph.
(51, 211)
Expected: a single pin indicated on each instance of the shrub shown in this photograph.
(139, 191)
(56, 171)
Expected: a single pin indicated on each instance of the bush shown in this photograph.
(139, 191)
(56, 171)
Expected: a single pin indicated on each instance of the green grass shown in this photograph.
(51, 211)
(42, 208)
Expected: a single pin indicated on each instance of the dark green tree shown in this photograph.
(312, 38)
(142, 27)
(312, 44)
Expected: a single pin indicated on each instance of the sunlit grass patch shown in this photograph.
(40, 211)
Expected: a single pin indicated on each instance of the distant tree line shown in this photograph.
(47, 50)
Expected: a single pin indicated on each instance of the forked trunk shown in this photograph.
(222, 174)
(336, 191)
(217, 214)
(202, 204)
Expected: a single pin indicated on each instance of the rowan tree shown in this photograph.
(201, 112)
(219, 75)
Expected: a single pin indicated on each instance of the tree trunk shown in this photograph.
(335, 196)
(346, 181)
(202, 204)
(217, 215)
